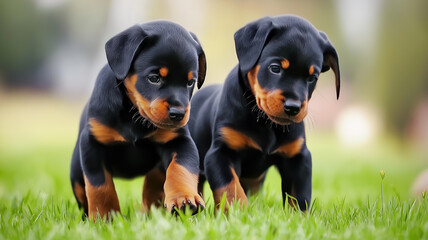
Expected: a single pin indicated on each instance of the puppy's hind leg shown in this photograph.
(77, 181)
(153, 193)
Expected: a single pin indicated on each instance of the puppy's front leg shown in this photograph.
(296, 174)
(181, 184)
(153, 193)
(222, 176)
(99, 186)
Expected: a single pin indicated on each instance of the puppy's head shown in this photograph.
(280, 59)
(160, 63)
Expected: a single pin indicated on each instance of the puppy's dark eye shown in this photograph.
(275, 68)
(312, 79)
(153, 78)
(191, 82)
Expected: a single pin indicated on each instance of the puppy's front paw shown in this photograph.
(180, 201)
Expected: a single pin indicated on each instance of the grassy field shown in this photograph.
(37, 136)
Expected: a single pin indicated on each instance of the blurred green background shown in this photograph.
(52, 50)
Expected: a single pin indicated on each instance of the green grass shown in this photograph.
(51, 217)
(36, 201)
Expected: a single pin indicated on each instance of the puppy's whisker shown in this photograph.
(251, 102)
(259, 114)
(249, 96)
(245, 93)
(141, 120)
(135, 114)
(118, 84)
(132, 108)
(138, 119)
(310, 121)
(254, 108)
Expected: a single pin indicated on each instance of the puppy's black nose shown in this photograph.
(176, 114)
(292, 107)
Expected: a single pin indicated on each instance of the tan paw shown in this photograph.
(182, 200)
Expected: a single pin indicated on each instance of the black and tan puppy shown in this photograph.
(255, 120)
(135, 121)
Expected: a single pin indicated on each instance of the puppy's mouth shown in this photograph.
(280, 120)
(156, 112)
(284, 119)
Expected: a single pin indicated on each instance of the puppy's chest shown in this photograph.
(265, 140)
(161, 136)
(129, 133)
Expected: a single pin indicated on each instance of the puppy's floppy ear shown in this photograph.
(122, 49)
(201, 60)
(331, 60)
(250, 41)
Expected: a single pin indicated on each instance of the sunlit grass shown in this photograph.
(36, 199)
(42, 216)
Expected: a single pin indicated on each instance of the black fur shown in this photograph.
(140, 50)
(262, 43)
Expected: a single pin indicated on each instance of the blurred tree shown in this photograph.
(26, 39)
(400, 79)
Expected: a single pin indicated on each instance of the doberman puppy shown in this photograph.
(135, 121)
(255, 120)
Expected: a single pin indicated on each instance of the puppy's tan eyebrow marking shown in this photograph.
(311, 70)
(285, 64)
(163, 71)
(189, 76)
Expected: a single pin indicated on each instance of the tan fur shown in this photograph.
(189, 76)
(237, 140)
(79, 192)
(102, 199)
(153, 189)
(290, 149)
(285, 64)
(104, 134)
(229, 190)
(163, 71)
(271, 102)
(162, 135)
(180, 186)
(156, 110)
(311, 70)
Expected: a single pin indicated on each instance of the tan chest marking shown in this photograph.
(290, 149)
(162, 136)
(237, 140)
(103, 133)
